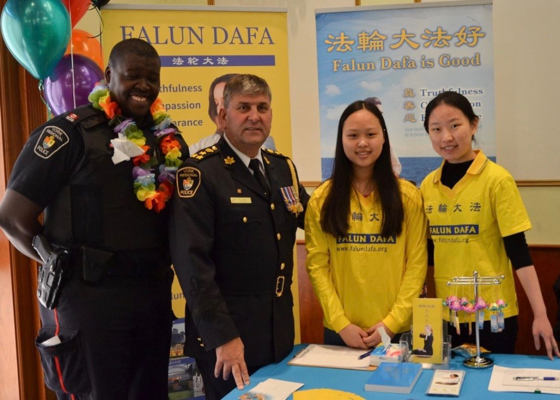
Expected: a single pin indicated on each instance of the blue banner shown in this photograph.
(216, 61)
(405, 57)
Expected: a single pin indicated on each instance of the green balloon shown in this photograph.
(37, 33)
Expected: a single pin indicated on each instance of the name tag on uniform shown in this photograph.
(240, 200)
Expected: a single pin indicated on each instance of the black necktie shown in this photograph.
(255, 165)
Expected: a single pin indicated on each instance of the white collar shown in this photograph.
(244, 157)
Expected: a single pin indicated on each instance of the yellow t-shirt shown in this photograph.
(467, 225)
(364, 278)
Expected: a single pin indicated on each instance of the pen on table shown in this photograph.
(366, 354)
(535, 378)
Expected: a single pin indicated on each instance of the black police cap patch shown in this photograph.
(188, 182)
(50, 141)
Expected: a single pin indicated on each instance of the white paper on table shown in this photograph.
(322, 355)
(503, 380)
(273, 389)
(124, 149)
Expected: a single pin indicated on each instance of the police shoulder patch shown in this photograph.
(50, 141)
(188, 182)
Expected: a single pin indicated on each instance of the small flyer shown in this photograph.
(427, 331)
(271, 389)
(446, 383)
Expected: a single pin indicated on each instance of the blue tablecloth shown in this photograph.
(474, 387)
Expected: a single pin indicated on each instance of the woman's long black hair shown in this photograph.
(336, 208)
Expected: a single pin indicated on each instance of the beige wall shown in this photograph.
(543, 206)
(527, 85)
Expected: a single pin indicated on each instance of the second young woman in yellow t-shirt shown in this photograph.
(365, 234)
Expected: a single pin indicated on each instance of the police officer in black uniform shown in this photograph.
(235, 214)
(108, 336)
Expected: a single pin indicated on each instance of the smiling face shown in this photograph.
(362, 140)
(247, 121)
(451, 134)
(133, 82)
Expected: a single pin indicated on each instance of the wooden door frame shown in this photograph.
(21, 109)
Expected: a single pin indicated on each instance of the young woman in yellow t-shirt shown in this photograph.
(477, 222)
(366, 236)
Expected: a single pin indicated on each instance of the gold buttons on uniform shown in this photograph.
(282, 266)
(245, 219)
(272, 206)
(278, 236)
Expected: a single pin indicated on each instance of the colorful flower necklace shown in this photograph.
(144, 177)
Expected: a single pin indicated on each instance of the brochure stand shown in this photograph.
(477, 361)
(405, 343)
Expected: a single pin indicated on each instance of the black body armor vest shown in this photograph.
(98, 207)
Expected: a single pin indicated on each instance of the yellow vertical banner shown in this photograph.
(197, 45)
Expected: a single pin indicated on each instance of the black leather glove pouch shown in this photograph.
(96, 263)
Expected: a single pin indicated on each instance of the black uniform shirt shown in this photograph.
(232, 248)
(47, 160)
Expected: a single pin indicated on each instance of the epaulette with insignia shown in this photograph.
(202, 154)
(86, 116)
(274, 152)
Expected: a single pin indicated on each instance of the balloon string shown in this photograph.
(101, 27)
(73, 79)
(41, 91)
(101, 20)
(72, 57)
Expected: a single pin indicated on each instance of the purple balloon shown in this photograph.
(61, 88)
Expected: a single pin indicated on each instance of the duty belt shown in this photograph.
(96, 264)
(275, 285)
(137, 270)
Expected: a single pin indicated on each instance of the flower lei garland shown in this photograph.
(144, 179)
